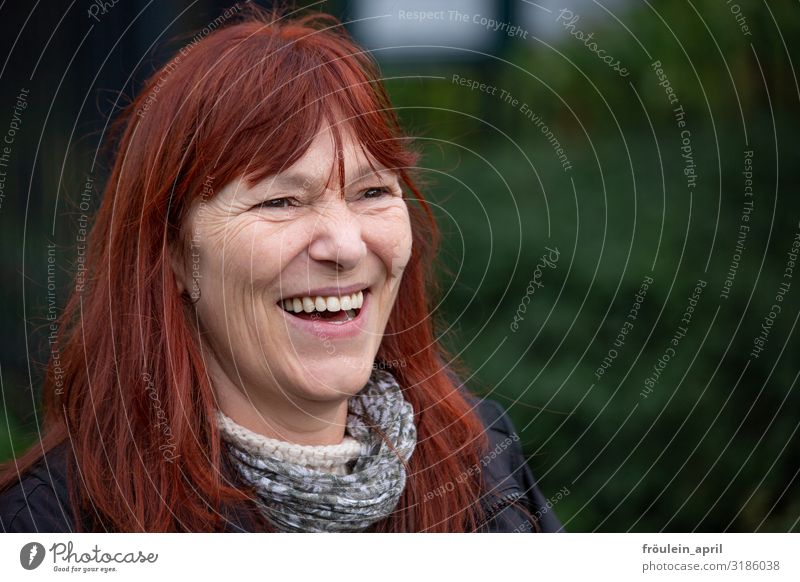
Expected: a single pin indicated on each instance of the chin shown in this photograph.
(334, 377)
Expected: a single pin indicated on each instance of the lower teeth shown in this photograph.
(329, 317)
(351, 314)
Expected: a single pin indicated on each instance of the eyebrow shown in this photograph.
(297, 179)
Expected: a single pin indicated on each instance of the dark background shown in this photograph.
(713, 446)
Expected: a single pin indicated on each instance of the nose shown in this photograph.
(336, 236)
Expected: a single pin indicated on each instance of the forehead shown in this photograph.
(324, 160)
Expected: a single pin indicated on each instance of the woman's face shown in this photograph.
(296, 283)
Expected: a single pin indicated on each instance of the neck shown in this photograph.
(276, 415)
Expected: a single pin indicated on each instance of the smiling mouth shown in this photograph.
(335, 309)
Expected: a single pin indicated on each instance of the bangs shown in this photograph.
(288, 84)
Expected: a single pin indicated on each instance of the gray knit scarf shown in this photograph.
(299, 499)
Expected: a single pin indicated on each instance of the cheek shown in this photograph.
(252, 253)
(269, 250)
(390, 239)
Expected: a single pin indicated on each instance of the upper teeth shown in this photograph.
(318, 303)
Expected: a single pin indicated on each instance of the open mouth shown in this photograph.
(336, 309)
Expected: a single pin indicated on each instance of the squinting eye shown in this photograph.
(376, 192)
(275, 203)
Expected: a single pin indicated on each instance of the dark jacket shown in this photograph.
(39, 502)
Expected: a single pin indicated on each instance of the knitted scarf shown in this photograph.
(297, 498)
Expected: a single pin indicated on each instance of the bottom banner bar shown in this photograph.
(388, 557)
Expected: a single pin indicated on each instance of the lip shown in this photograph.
(334, 290)
(332, 331)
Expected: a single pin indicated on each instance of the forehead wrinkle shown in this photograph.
(293, 179)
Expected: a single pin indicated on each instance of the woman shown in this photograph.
(252, 347)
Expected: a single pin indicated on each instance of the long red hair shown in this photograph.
(133, 397)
